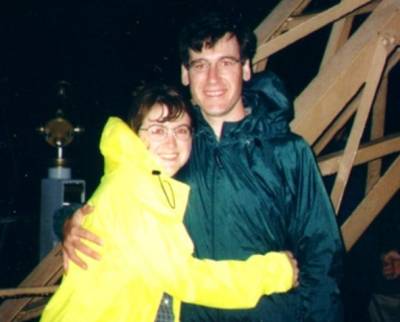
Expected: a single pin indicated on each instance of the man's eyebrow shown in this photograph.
(196, 60)
(230, 57)
(222, 57)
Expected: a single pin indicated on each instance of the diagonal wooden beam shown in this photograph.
(27, 291)
(295, 20)
(48, 272)
(337, 125)
(383, 49)
(307, 27)
(274, 22)
(339, 35)
(341, 31)
(278, 16)
(329, 164)
(377, 131)
(349, 110)
(371, 205)
(325, 97)
(32, 311)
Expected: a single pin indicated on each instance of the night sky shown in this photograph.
(103, 49)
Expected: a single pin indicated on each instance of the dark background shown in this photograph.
(103, 49)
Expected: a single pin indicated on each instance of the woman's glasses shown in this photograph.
(159, 132)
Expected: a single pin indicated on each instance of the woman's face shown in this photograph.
(169, 142)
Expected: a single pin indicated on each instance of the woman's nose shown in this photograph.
(170, 138)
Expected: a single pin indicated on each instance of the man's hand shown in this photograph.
(73, 233)
(391, 265)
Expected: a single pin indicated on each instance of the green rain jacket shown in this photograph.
(258, 189)
(147, 251)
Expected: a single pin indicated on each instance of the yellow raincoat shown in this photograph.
(147, 251)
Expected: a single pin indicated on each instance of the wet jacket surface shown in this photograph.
(147, 251)
(258, 189)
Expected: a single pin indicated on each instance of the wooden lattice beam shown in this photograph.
(309, 26)
(48, 272)
(337, 125)
(373, 150)
(384, 47)
(335, 86)
(371, 205)
(274, 22)
(377, 131)
(341, 31)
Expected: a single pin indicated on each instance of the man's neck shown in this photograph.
(217, 122)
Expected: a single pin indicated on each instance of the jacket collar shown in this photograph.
(265, 117)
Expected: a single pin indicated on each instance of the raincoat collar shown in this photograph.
(265, 117)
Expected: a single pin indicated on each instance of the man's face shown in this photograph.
(215, 76)
(170, 142)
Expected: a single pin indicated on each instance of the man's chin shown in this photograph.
(215, 112)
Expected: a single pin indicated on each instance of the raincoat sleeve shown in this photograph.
(314, 235)
(229, 284)
(159, 250)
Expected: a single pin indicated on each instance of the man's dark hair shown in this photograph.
(207, 29)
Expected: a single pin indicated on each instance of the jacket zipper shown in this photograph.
(216, 172)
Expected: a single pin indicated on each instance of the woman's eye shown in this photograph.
(157, 131)
(182, 130)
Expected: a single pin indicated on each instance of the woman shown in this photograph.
(147, 252)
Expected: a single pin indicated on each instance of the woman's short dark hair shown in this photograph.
(146, 96)
(208, 28)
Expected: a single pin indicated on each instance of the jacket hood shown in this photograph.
(120, 145)
(272, 88)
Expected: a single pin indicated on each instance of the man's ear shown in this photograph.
(246, 70)
(184, 76)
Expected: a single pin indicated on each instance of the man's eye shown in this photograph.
(199, 66)
(228, 62)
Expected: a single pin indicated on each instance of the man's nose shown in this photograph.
(213, 73)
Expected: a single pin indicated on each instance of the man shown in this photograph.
(384, 264)
(255, 186)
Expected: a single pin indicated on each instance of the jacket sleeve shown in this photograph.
(151, 248)
(228, 284)
(314, 234)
